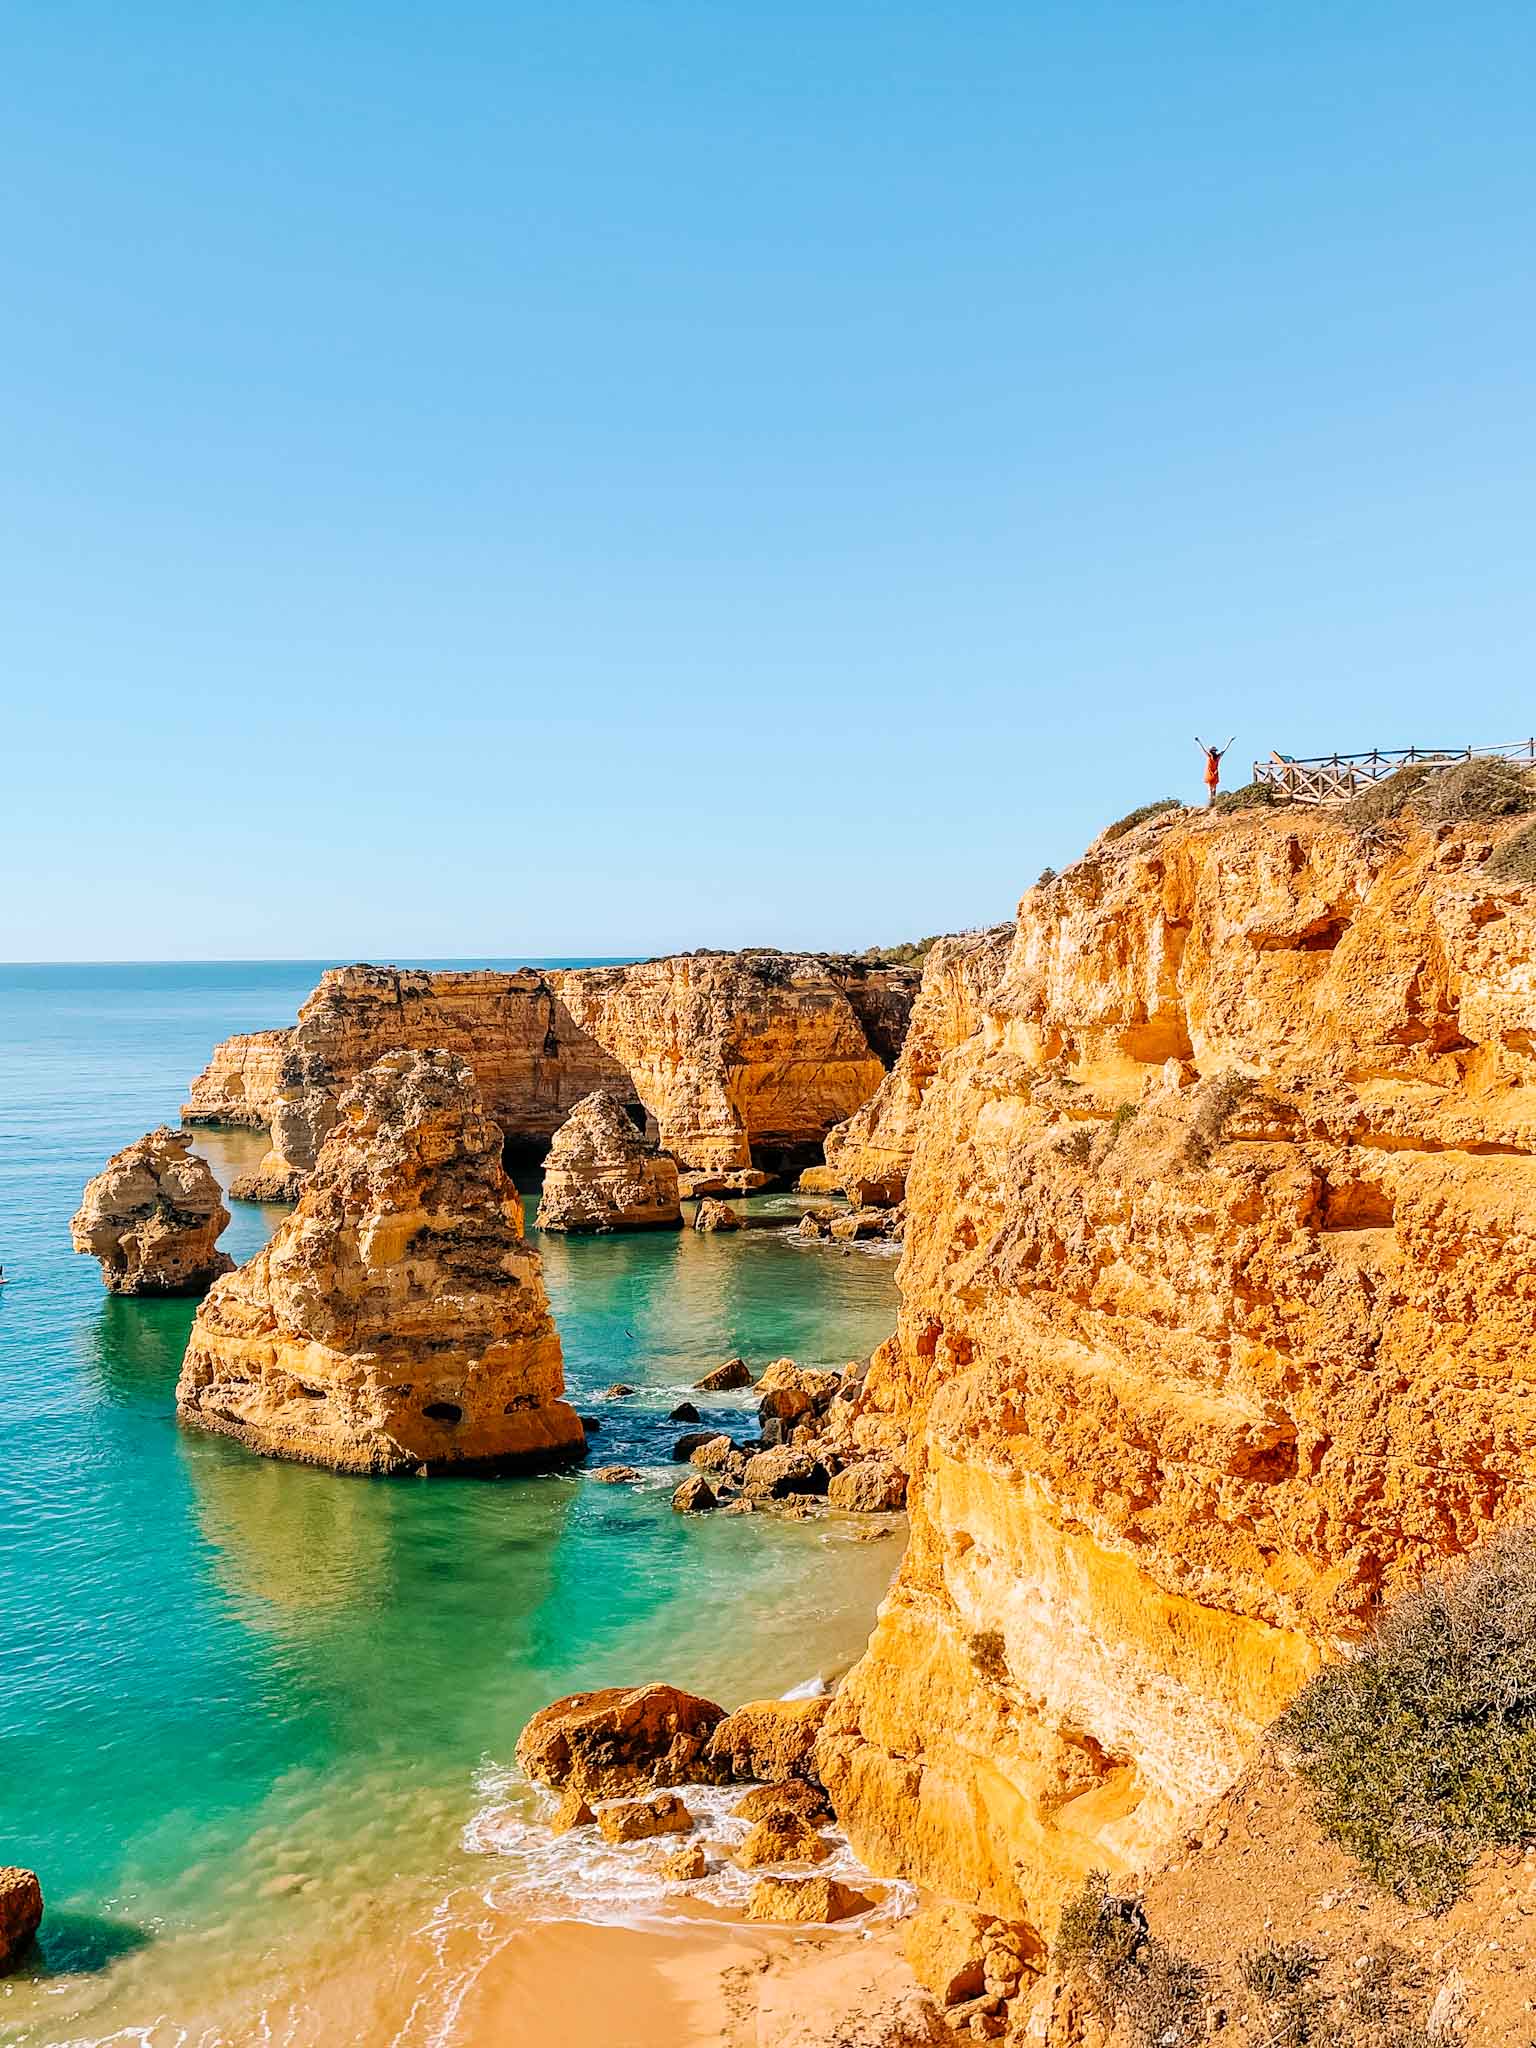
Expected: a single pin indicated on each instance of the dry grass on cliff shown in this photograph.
(1252, 796)
(1421, 1750)
(1469, 792)
(1515, 860)
(1138, 817)
(1136, 1981)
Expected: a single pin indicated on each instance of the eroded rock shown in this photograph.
(811, 1901)
(612, 1741)
(602, 1174)
(397, 1320)
(637, 1820)
(152, 1218)
(770, 1739)
(21, 1914)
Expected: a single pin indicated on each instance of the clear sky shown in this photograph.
(563, 478)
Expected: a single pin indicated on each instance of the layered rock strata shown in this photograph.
(152, 1217)
(602, 1175)
(1218, 1321)
(867, 1156)
(397, 1321)
(726, 1053)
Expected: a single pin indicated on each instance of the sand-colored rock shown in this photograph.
(812, 1901)
(799, 1796)
(943, 1943)
(784, 1471)
(572, 1812)
(867, 1156)
(1218, 1321)
(780, 1838)
(637, 1820)
(724, 1052)
(713, 1215)
(694, 1497)
(152, 1218)
(871, 1486)
(21, 1913)
(771, 1739)
(725, 1379)
(601, 1174)
(614, 1741)
(686, 1865)
(397, 1319)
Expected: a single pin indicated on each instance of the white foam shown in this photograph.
(579, 1876)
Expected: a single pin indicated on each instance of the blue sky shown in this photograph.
(561, 479)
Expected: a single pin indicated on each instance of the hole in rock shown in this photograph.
(443, 1411)
(1356, 1205)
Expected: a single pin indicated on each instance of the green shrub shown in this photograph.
(911, 953)
(1046, 877)
(1252, 796)
(1103, 1943)
(1274, 1972)
(1139, 817)
(1421, 1750)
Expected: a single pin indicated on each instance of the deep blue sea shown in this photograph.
(250, 1713)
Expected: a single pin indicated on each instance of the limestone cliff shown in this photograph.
(397, 1320)
(868, 1156)
(602, 1175)
(152, 1217)
(1218, 1319)
(726, 1052)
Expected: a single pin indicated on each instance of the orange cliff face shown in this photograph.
(725, 1052)
(1218, 1320)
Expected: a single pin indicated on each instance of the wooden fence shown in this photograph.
(1330, 778)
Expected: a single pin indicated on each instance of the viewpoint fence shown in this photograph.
(1330, 778)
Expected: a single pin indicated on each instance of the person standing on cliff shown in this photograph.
(1212, 766)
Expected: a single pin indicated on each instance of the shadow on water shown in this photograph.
(79, 1945)
(132, 1348)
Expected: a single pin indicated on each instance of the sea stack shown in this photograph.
(397, 1321)
(601, 1174)
(152, 1217)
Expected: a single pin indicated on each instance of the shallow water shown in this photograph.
(250, 1712)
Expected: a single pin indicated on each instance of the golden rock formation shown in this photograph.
(726, 1051)
(152, 1216)
(397, 1320)
(1218, 1321)
(867, 1157)
(602, 1175)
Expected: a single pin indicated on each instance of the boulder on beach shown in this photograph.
(770, 1739)
(572, 1812)
(602, 1174)
(610, 1742)
(21, 1913)
(783, 1471)
(695, 1496)
(808, 1901)
(725, 1379)
(692, 1440)
(636, 1820)
(615, 1475)
(152, 1218)
(872, 1486)
(687, 1865)
(715, 1454)
(802, 1797)
(781, 1838)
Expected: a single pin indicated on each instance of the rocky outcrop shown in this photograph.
(711, 1215)
(21, 1914)
(618, 1740)
(1217, 1322)
(152, 1217)
(397, 1320)
(602, 1175)
(868, 1155)
(727, 1053)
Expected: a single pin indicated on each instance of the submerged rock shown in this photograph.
(695, 1496)
(21, 1913)
(683, 1412)
(601, 1174)
(613, 1741)
(615, 1475)
(397, 1320)
(152, 1217)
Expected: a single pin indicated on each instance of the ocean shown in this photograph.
(253, 1714)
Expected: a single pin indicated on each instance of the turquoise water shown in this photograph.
(249, 1709)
